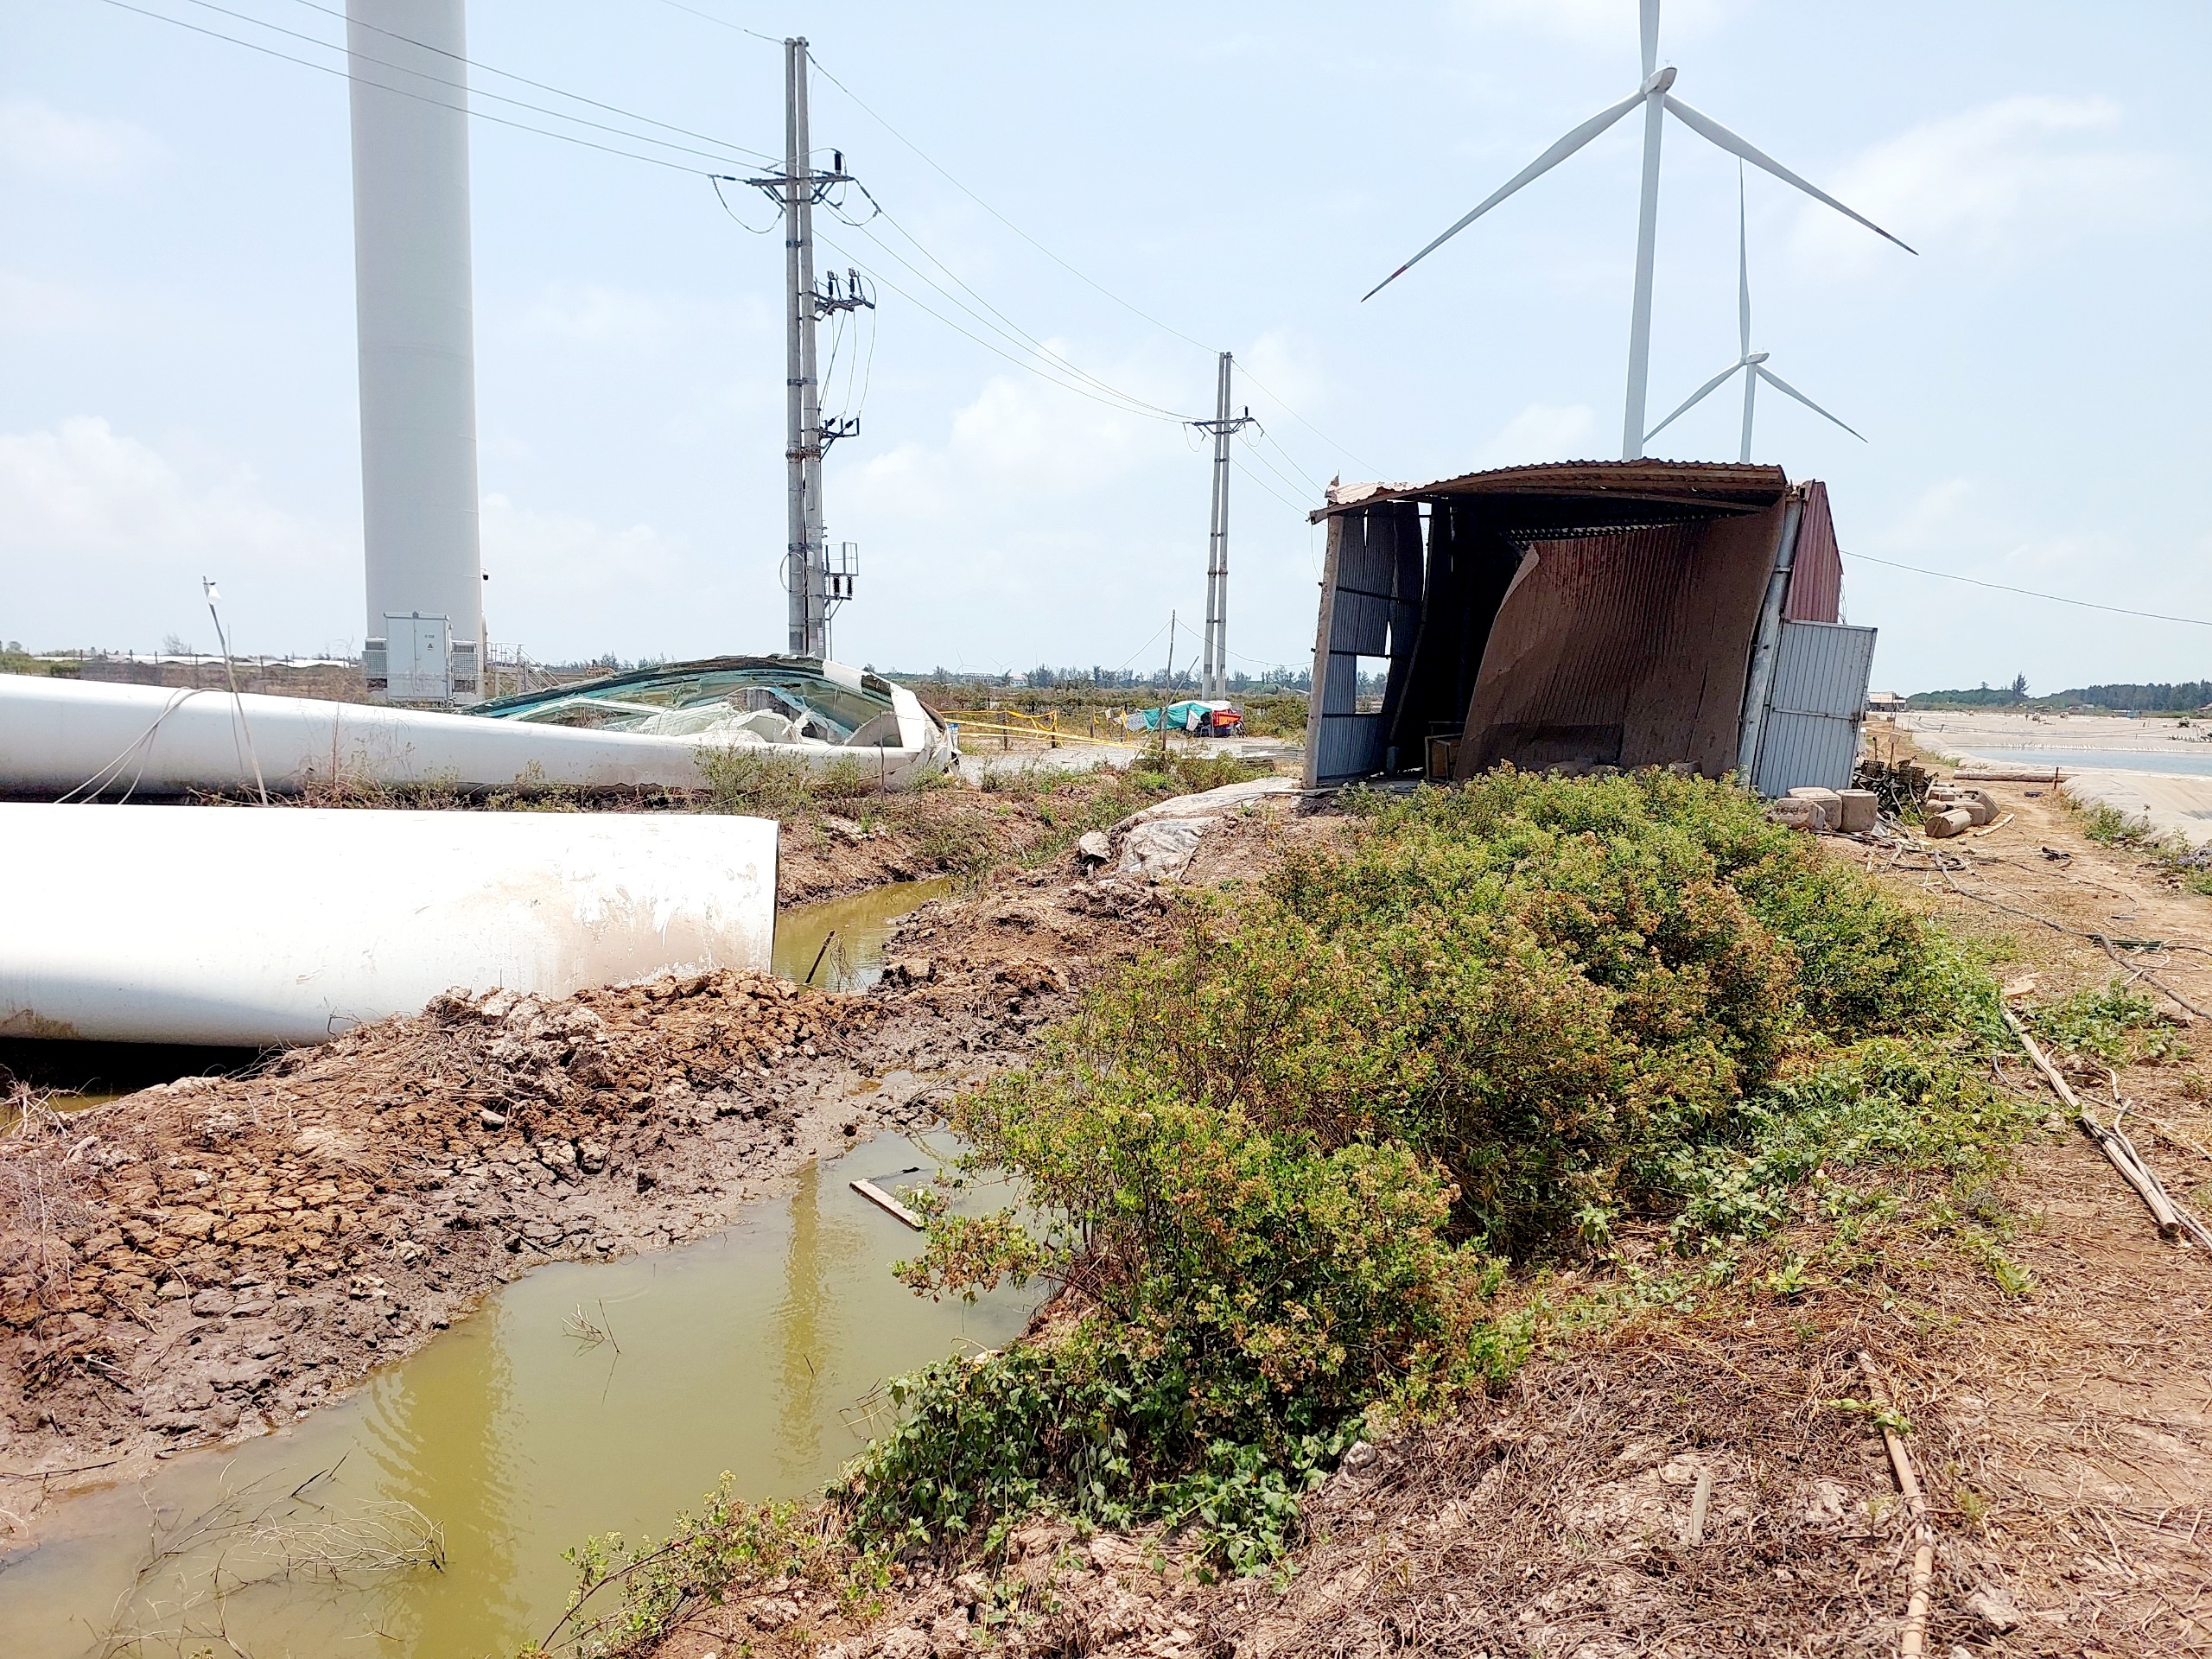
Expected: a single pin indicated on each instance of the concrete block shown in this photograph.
(1940, 826)
(1826, 800)
(1861, 807)
(1978, 803)
(1796, 814)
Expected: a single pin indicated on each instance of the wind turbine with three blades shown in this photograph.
(1657, 103)
(1751, 363)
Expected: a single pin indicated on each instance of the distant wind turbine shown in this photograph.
(1657, 102)
(1752, 363)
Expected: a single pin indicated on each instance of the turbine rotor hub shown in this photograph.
(1658, 81)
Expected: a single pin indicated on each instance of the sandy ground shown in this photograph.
(2172, 804)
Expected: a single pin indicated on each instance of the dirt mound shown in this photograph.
(202, 1182)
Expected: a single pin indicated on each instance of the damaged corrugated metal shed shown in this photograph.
(1584, 614)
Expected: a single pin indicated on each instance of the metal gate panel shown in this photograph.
(1370, 598)
(1810, 735)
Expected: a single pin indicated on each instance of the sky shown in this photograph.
(1132, 188)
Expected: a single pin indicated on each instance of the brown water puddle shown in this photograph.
(426, 1514)
(839, 941)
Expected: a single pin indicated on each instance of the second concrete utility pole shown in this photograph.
(1214, 675)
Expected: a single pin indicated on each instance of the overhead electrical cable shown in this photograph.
(1259, 483)
(396, 92)
(1134, 310)
(1294, 482)
(2055, 599)
(724, 155)
(992, 346)
(1010, 331)
(1036, 344)
(1073, 270)
(542, 86)
(723, 22)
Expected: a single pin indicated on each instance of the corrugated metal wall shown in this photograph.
(1817, 576)
(1625, 649)
(1809, 736)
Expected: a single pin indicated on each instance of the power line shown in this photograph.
(725, 22)
(988, 346)
(457, 86)
(396, 92)
(542, 86)
(1263, 484)
(884, 214)
(1072, 270)
(1007, 328)
(2055, 599)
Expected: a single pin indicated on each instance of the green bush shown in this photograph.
(1240, 1297)
(1275, 1167)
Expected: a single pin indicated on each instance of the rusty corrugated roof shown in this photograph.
(1713, 485)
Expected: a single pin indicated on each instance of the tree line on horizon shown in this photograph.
(2186, 697)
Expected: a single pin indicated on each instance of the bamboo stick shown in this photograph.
(2114, 1145)
(1914, 1640)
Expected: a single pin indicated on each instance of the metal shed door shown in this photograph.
(1370, 608)
(1809, 735)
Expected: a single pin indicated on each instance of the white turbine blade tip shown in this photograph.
(1710, 129)
(1788, 391)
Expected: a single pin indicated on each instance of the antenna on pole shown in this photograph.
(207, 588)
(815, 591)
(1213, 675)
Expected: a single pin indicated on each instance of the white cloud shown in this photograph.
(38, 308)
(588, 314)
(591, 314)
(79, 491)
(1989, 181)
(1019, 440)
(108, 539)
(51, 144)
(557, 557)
(1543, 432)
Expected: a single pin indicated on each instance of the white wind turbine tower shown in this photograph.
(1657, 103)
(1751, 364)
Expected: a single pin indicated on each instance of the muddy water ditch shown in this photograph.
(836, 945)
(426, 1514)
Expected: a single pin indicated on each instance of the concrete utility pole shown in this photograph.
(814, 590)
(1213, 677)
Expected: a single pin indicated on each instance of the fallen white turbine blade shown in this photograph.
(1691, 402)
(1705, 127)
(1543, 163)
(1787, 390)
